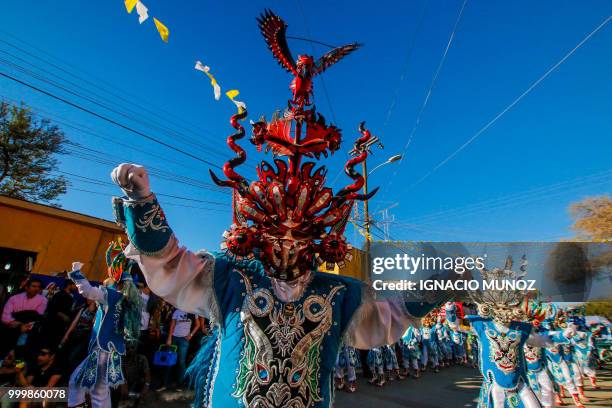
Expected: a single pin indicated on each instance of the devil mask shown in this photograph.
(288, 217)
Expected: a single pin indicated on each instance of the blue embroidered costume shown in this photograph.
(279, 322)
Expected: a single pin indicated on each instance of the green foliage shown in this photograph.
(597, 308)
(28, 150)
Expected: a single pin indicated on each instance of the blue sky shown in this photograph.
(514, 183)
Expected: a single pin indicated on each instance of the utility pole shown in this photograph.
(366, 213)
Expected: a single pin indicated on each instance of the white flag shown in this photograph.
(206, 69)
(143, 12)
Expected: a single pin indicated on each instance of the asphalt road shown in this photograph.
(453, 387)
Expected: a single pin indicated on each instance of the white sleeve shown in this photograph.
(180, 277)
(539, 340)
(379, 322)
(97, 294)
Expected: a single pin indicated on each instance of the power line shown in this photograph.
(432, 84)
(514, 199)
(165, 203)
(142, 102)
(311, 41)
(513, 103)
(102, 159)
(89, 131)
(139, 118)
(109, 120)
(108, 183)
(324, 86)
(404, 70)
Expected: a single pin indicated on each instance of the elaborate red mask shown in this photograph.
(288, 218)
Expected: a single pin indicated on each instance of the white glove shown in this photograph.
(570, 331)
(76, 266)
(133, 180)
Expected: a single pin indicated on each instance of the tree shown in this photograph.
(593, 217)
(28, 151)
(599, 308)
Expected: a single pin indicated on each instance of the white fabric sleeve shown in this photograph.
(181, 277)
(97, 294)
(379, 322)
(539, 340)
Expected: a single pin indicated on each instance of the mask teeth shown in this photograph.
(341, 264)
(348, 257)
(223, 245)
(225, 234)
(349, 246)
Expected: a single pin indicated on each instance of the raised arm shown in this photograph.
(550, 338)
(181, 277)
(85, 289)
(379, 322)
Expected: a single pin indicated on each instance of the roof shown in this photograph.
(59, 213)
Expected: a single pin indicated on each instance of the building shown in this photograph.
(355, 268)
(44, 240)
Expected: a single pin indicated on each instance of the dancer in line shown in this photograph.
(117, 322)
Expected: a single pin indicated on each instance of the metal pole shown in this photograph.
(366, 216)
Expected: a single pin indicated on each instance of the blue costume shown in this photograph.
(503, 364)
(265, 348)
(430, 348)
(538, 375)
(280, 322)
(101, 369)
(346, 364)
(411, 352)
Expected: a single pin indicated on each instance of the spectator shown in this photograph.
(50, 290)
(59, 311)
(149, 335)
(137, 378)
(9, 367)
(76, 339)
(179, 335)
(21, 310)
(198, 337)
(45, 373)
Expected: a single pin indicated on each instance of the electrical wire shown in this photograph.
(166, 203)
(109, 120)
(512, 104)
(108, 183)
(95, 99)
(432, 84)
(141, 102)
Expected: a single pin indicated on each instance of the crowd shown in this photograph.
(46, 331)
(555, 370)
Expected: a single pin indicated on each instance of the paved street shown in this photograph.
(454, 387)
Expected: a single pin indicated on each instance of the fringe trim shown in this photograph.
(213, 303)
(367, 295)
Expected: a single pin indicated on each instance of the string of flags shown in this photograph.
(231, 94)
(143, 15)
(164, 33)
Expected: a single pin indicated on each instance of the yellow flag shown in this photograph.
(162, 29)
(232, 94)
(130, 4)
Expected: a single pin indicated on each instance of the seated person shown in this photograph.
(45, 373)
(9, 367)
